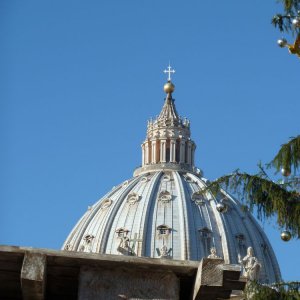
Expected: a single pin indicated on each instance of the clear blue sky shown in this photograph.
(79, 79)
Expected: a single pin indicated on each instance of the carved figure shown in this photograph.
(67, 247)
(251, 265)
(124, 242)
(213, 253)
(164, 251)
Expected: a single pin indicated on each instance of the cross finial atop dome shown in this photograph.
(169, 87)
(169, 71)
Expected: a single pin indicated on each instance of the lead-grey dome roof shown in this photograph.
(159, 214)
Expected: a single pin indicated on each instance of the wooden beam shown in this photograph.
(33, 276)
(216, 280)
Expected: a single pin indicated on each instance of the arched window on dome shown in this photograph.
(132, 198)
(125, 183)
(206, 239)
(106, 203)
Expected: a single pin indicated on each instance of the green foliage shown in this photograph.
(278, 291)
(281, 199)
(284, 20)
(288, 156)
(270, 198)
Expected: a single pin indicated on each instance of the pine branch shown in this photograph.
(291, 5)
(284, 21)
(288, 156)
(270, 198)
(277, 291)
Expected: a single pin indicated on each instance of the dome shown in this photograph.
(158, 213)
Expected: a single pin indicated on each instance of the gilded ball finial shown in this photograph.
(169, 87)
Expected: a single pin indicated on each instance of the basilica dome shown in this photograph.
(160, 214)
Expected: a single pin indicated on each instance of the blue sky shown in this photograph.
(79, 79)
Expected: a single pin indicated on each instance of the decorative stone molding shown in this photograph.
(144, 179)
(166, 167)
(106, 203)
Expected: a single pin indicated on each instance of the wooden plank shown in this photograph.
(103, 284)
(216, 280)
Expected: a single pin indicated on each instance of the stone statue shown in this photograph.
(251, 265)
(124, 242)
(67, 247)
(213, 253)
(164, 251)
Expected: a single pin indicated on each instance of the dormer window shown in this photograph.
(205, 232)
(198, 199)
(121, 232)
(164, 197)
(189, 179)
(163, 230)
(200, 202)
